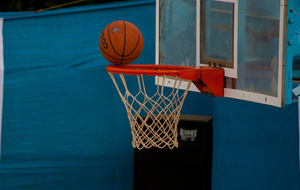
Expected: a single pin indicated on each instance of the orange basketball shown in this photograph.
(121, 42)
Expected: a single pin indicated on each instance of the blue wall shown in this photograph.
(65, 127)
(254, 146)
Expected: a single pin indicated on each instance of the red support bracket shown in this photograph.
(209, 80)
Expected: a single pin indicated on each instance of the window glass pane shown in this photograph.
(218, 33)
(177, 32)
(259, 64)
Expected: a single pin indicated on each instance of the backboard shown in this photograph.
(247, 38)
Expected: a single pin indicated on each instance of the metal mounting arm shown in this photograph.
(209, 80)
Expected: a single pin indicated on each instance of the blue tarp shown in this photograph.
(65, 127)
(255, 146)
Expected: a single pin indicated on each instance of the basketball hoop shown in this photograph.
(158, 126)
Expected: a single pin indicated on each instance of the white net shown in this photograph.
(153, 119)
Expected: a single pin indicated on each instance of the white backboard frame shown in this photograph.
(277, 101)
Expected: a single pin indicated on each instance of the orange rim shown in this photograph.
(155, 70)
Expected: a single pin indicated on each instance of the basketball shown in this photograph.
(121, 42)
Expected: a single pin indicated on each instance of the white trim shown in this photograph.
(198, 29)
(170, 82)
(233, 72)
(157, 37)
(1, 77)
(281, 58)
(157, 34)
(228, 72)
(252, 97)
